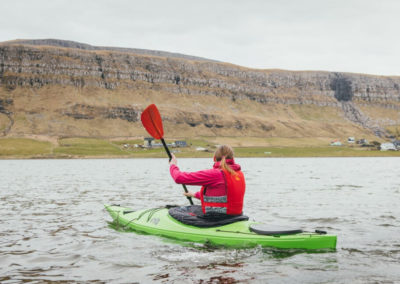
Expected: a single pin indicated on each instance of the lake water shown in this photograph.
(53, 227)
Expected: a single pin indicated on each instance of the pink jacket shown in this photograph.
(212, 178)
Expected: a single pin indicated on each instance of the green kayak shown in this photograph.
(239, 234)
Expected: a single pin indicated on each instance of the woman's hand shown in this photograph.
(173, 160)
(188, 194)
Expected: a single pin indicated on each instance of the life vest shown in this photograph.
(232, 202)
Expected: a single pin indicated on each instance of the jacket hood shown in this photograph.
(230, 162)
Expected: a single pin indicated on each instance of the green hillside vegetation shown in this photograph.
(104, 148)
(22, 147)
(87, 147)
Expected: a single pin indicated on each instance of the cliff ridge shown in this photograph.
(62, 88)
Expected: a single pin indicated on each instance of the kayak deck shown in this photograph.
(157, 221)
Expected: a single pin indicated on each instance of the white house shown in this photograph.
(388, 147)
(336, 143)
(396, 143)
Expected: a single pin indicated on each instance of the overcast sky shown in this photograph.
(336, 35)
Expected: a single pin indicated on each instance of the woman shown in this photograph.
(223, 186)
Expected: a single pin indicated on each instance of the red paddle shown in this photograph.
(152, 122)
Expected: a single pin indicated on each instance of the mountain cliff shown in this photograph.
(61, 88)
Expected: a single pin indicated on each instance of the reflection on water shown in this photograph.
(54, 228)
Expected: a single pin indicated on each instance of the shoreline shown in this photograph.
(126, 158)
(95, 148)
(374, 154)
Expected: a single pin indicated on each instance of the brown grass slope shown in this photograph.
(67, 92)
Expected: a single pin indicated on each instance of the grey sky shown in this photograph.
(335, 35)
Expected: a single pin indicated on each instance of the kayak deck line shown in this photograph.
(152, 210)
(157, 221)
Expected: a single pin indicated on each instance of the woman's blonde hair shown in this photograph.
(222, 153)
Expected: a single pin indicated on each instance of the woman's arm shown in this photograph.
(205, 177)
(191, 194)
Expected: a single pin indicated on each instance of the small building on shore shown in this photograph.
(148, 142)
(362, 141)
(336, 143)
(396, 144)
(180, 143)
(388, 146)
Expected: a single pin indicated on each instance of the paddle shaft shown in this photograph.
(170, 157)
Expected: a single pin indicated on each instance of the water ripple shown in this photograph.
(54, 228)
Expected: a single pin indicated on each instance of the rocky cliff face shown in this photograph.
(26, 66)
(84, 46)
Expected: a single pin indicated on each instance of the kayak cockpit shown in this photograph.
(194, 216)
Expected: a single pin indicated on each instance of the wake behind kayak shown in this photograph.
(239, 234)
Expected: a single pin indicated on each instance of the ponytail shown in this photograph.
(226, 167)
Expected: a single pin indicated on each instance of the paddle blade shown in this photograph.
(151, 120)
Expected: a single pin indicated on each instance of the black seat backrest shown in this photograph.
(194, 216)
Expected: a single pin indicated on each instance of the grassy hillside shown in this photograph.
(58, 111)
(104, 148)
(42, 117)
(81, 101)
